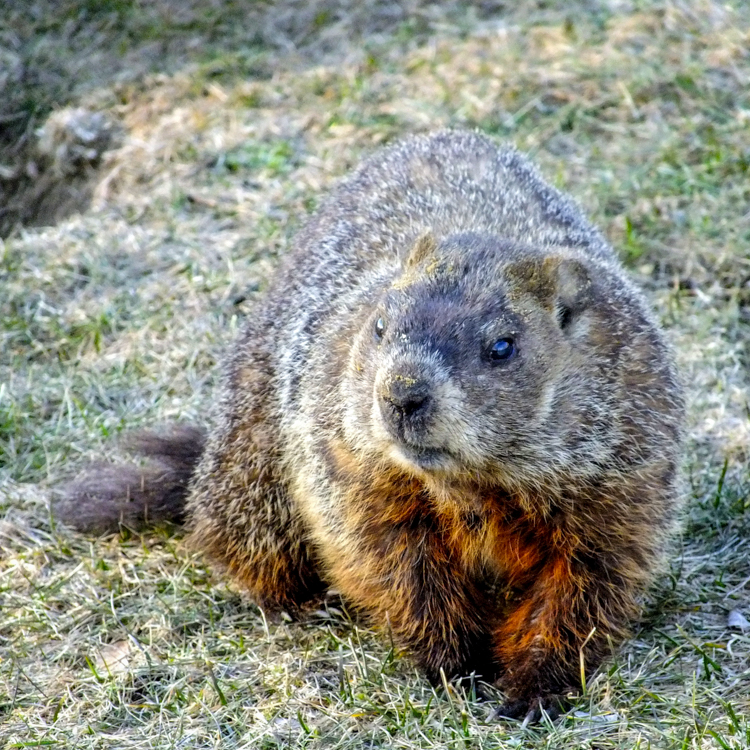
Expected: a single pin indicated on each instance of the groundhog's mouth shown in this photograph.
(426, 459)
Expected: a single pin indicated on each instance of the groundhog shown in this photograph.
(452, 406)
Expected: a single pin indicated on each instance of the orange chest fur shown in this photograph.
(501, 542)
(497, 539)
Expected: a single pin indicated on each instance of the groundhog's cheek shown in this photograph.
(353, 396)
(509, 407)
(360, 367)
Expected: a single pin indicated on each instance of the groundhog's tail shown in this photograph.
(105, 497)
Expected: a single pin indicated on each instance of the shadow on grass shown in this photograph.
(53, 52)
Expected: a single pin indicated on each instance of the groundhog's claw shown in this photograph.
(530, 710)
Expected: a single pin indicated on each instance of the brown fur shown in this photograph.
(500, 517)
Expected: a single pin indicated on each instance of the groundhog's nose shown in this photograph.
(405, 397)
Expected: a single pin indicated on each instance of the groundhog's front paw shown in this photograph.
(530, 709)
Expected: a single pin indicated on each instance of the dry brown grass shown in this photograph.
(233, 120)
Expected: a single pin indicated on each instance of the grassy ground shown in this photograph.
(233, 119)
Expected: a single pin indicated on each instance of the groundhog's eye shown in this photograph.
(379, 328)
(502, 350)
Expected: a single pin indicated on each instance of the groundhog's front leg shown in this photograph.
(407, 578)
(575, 602)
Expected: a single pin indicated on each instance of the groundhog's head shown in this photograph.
(486, 358)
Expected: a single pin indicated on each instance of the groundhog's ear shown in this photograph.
(425, 246)
(573, 293)
(561, 284)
